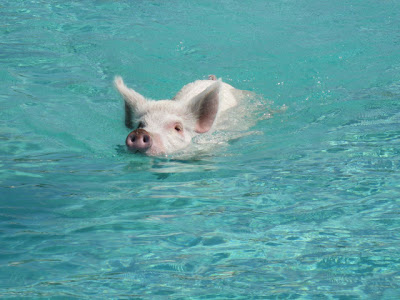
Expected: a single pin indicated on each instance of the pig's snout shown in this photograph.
(139, 140)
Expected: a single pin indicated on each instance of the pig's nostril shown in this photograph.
(139, 140)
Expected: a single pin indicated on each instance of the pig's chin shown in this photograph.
(148, 152)
(155, 152)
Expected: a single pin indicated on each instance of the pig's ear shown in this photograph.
(132, 99)
(205, 107)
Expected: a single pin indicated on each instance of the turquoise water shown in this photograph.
(304, 207)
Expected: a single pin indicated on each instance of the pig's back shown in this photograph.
(227, 93)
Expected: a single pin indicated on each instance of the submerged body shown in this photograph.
(166, 126)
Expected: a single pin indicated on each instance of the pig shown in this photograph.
(166, 126)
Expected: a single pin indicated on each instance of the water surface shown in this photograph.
(306, 206)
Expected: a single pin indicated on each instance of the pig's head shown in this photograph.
(165, 126)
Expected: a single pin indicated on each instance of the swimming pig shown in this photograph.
(165, 126)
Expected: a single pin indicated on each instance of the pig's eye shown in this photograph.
(178, 128)
(140, 125)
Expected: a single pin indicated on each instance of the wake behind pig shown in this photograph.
(164, 127)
